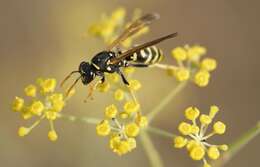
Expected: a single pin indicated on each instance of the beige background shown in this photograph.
(43, 38)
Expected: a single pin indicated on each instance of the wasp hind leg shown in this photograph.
(123, 77)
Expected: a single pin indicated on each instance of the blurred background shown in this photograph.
(44, 38)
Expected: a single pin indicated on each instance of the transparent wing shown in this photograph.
(134, 28)
(142, 46)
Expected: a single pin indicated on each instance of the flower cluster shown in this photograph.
(122, 127)
(191, 66)
(110, 26)
(197, 144)
(44, 103)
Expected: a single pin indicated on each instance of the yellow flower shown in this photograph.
(201, 78)
(196, 139)
(103, 128)
(23, 131)
(182, 74)
(219, 127)
(51, 115)
(52, 135)
(124, 115)
(118, 15)
(132, 143)
(213, 152)
(119, 94)
(213, 111)
(206, 165)
(103, 87)
(36, 107)
(48, 85)
(197, 153)
(180, 142)
(131, 107)
(134, 85)
(208, 64)
(30, 90)
(205, 119)
(18, 104)
(179, 54)
(141, 121)
(192, 113)
(111, 111)
(185, 128)
(132, 130)
(195, 52)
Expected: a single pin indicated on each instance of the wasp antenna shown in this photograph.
(72, 86)
(67, 77)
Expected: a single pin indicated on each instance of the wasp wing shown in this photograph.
(142, 46)
(134, 28)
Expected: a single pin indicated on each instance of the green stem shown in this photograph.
(160, 132)
(80, 119)
(237, 145)
(166, 100)
(153, 155)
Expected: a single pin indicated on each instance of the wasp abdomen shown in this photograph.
(149, 55)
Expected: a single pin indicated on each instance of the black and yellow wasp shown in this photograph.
(110, 61)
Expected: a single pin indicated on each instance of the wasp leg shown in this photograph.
(123, 77)
(138, 65)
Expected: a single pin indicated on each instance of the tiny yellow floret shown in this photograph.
(197, 153)
(30, 90)
(205, 119)
(131, 107)
(23, 131)
(182, 74)
(201, 78)
(223, 147)
(132, 130)
(36, 107)
(103, 87)
(180, 142)
(213, 152)
(206, 165)
(192, 113)
(129, 70)
(209, 64)
(134, 85)
(219, 127)
(185, 128)
(119, 94)
(48, 85)
(52, 135)
(50, 115)
(18, 104)
(141, 121)
(179, 54)
(213, 111)
(111, 111)
(103, 128)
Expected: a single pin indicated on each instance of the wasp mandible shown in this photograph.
(110, 61)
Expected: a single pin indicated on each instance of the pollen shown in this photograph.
(30, 90)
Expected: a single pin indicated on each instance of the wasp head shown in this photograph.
(87, 72)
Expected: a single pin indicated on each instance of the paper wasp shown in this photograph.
(110, 61)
